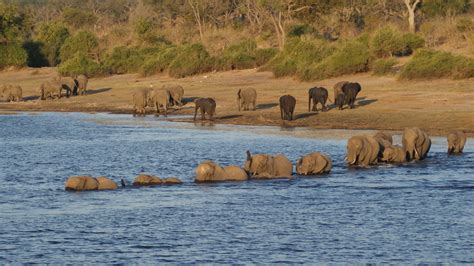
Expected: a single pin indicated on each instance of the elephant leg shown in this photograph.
(281, 113)
(195, 112)
(157, 109)
(165, 107)
(203, 114)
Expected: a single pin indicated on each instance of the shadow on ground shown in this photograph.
(91, 92)
(266, 106)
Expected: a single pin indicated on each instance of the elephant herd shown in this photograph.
(50, 89)
(362, 151)
(345, 93)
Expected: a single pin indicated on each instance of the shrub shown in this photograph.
(159, 63)
(238, 56)
(351, 57)
(190, 59)
(52, 36)
(123, 60)
(79, 17)
(445, 7)
(428, 64)
(80, 63)
(413, 41)
(83, 42)
(386, 42)
(36, 58)
(264, 55)
(383, 66)
(301, 29)
(12, 54)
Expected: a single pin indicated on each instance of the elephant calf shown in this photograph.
(209, 171)
(150, 180)
(456, 142)
(159, 98)
(207, 106)
(416, 143)
(313, 164)
(362, 150)
(176, 94)
(318, 95)
(84, 183)
(287, 107)
(140, 102)
(393, 154)
(245, 98)
(12, 93)
(263, 166)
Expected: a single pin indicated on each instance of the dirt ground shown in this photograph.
(438, 106)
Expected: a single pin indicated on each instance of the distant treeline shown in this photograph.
(308, 39)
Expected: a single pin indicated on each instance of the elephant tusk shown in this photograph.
(417, 155)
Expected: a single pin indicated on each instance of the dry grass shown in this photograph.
(438, 106)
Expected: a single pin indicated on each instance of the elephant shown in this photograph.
(245, 98)
(264, 166)
(69, 85)
(150, 180)
(81, 82)
(362, 150)
(140, 102)
(12, 93)
(176, 93)
(384, 135)
(171, 181)
(159, 98)
(209, 171)
(317, 94)
(83, 183)
(313, 164)
(416, 143)
(385, 140)
(338, 89)
(50, 89)
(339, 102)
(456, 142)
(287, 107)
(393, 154)
(207, 106)
(351, 90)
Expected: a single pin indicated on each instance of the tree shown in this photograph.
(412, 5)
(52, 36)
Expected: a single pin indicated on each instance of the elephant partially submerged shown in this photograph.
(81, 83)
(176, 94)
(362, 150)
(384, 135)
(209, 171)
(416, 143)
(393, 154)
(207, 106)
(456, 142)
(264, 166)
(159, 98)
(318, 95)
(150, 180)
(12, 93)
(313, 164)
(140, 98)
(84, 183)
(287, 107)
(245, 98)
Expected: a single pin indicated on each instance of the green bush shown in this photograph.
(79, 18)
(159, 63)
(434, 8)
(412, 41)
(190, 59)
(383, 66)
(52, 36)
(123, 60)
(301, 29)
(352, 57)
(386, 42)
(83, 42)
(264, 55)
(12, 54)
(238, 56)
(427, 64)
(80, 63)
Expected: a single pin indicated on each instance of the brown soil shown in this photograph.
(437, 106)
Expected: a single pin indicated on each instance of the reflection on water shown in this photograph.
(418, 212)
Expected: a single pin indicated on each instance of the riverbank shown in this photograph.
(437, 106)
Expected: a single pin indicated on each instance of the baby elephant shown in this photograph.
(264, 166)
(318, 95)
(313, 164)
(83, 183)
(287, 107)
(393, 154)
(456, 142)
(12, 93)
(207, 106)
(150, 180)
(159, 98)
(245, 98)
(209, 171)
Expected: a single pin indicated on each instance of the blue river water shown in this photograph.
(414, 213)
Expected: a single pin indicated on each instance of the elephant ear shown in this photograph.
(318, 165)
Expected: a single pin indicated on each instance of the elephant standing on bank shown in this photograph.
(264, 166)
(287, 107)
(12, 93)
(318, 95)
(338, 90)
(245, 98)
(81, 83)
(69, 85)
(416, 143)
(209, 171)
(176, 93)
(456, 142)
(313, 164)
(50, 89)
(351, 89)
(362, 150)
(207, 106)
(140, 98)
(159, 98)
